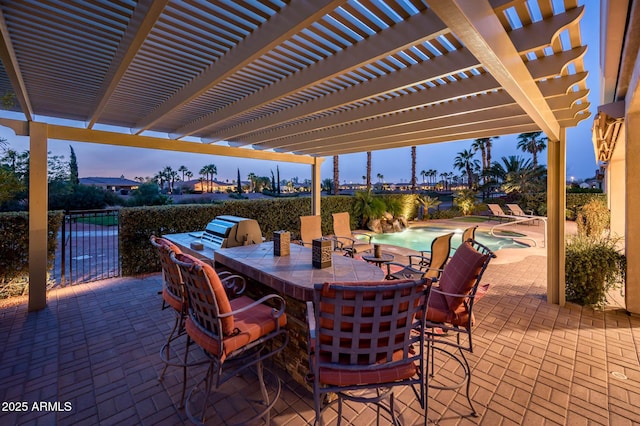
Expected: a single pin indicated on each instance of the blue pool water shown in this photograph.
(419, 238)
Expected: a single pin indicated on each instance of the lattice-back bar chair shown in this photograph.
(235, 334)
(450, 310)
(367, 337)
(428, 264)
(174, 297)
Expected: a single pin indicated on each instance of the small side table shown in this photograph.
(371, 258)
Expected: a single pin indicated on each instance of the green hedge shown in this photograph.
(14, 250)
(137, 224)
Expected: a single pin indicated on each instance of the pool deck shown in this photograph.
(96, 347)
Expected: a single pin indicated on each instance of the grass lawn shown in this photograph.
(98, 220)
(472, 219)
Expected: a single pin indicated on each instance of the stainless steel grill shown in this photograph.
(231, 231)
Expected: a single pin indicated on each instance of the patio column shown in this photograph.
(632, 245)
(556, 206)
(316, 189)
(38, 217)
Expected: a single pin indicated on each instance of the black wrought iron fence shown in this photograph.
(88, 247)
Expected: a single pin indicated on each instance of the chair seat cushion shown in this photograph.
(367, 375)
(438, 311)
(250, 326)
(172, 300)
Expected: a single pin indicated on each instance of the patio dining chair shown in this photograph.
(310, 229)
(428, 264)
(345, 239)
(450, 312)
(235, 335)
(174, 297)
(366, 339)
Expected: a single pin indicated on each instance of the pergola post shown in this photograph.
(556, 207)
(316, 189)
(38, 217)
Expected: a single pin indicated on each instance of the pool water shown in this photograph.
(419, 238)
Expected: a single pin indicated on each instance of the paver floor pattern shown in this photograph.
(92, 357)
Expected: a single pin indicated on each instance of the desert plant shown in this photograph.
(593, 218)
(367, 207)
(593, 267)
(466, 201)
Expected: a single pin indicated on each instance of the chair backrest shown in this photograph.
(342, 225)
(208, 301)
(496, 210)
(515, 209)
(367, 323)
(440, 251)
(310, 229)
(469, 233)
(462, 274)
(170, 272)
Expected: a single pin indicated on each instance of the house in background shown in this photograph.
(120, 185)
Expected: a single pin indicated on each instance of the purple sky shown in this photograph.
(393, 164)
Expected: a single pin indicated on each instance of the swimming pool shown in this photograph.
(419, 238)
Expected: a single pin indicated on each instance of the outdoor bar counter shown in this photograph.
(291, 276)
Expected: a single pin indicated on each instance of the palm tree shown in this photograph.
(183, 170)
(424, 174)
(252, 181)
(380, 177)
(209, 171)
(368, 178)
(413, 169)
(518, 175)
(188, 174)
(433, 174)
(336, 176)
(465, 161)
(532, 143)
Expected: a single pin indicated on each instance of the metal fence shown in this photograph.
(88, 247)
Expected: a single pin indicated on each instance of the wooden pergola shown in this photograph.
(292, 80)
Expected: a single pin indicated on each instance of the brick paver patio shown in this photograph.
(94, 352)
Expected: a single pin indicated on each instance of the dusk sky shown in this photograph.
(393, 164)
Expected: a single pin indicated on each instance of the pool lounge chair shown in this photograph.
(517, 211)
(498, 213)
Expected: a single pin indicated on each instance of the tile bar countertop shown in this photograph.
(293, 275)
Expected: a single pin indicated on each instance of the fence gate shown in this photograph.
(89, 246)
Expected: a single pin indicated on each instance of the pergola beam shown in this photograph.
(413, 31)
(476, 25)
(144, 18)
(294, 17)
(12, 68)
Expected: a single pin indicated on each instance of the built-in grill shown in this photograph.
(231, 231)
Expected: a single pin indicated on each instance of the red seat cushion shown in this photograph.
(224, 307)
(460, 274)
(250, 325)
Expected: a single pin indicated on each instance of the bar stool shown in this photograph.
(235, 334)
(173, 297)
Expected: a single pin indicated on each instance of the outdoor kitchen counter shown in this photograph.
(292, 277)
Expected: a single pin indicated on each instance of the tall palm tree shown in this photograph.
(532, 142)
(183, 170)
(413, 169)
(424, 174)
(464, 161)
(380, 177)
(209, 171)
(252, 181)
(336, 176)
(368, 178)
